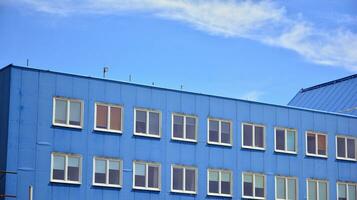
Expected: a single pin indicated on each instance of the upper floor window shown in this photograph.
(286, 188)
(107, 172)
(67, 112)
(66, 168)
(183, 179)
(184, 127)
(285, 140)
(220, 182)
(108, 118)
(253, 186)
(146, 176)
(346, 148)
(147, 123)
(316, 144)
(317, 189)
(253, 136)
(346, 191)
(219, 132)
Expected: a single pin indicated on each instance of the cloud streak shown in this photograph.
(262, 21)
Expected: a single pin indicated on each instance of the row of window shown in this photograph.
(108, 172)
(109, 117)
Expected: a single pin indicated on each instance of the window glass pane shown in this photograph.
(259, 186)
(213, 130)
(280, 139)
(352, 192)
(342, 192)
(248, 185)
(153, 176)
(312, 190)
(114, 172)
(322, 191)
(213, 182)
(191, 128)
(225, 183)
(73, 168)
(100, 171)
(292, 189)
(280, 188)
(140, 124)
(351, 148)
(341, 148)
(140, 175)
(247, 135)
(225, 132)
(259, 136)
(75, 113)
(177, 179)
(311, 143)
(154, 123)
(58, 167)
(115, 118)
(61, 111)
(190, 178)
(321, 144)
(102, 116)
(178, 126)
(291, 140)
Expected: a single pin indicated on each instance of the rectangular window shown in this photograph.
(346, 191)
(286, 188)
(253, 136)
(219, 182)
(253, 186)
(107, 172)
(67, 112)
(146, 176)
(108, 118)
(316, 144)
(66, 168)
(219, 132)
(317, 189)
(183, 179)
(285, 140)
(147, 123)
(346, 148)
(184, 127)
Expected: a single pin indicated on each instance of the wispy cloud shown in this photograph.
(263, 21)
(253, 95)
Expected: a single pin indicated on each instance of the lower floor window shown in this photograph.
(317, 189)
(107, 172)
(146, 175)
(253, 185)
(219, 182)
(184, 179)
(66, 168)
(286, 188)
(347, 191)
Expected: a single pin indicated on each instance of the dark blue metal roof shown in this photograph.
(335, 96)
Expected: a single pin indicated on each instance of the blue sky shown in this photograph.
(258, 50)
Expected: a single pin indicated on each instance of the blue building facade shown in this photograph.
(32, 135)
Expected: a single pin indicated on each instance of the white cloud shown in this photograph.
(263, 21)
(253, 95)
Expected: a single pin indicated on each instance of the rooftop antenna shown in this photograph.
(129, 77)
(152, 83)
(105, 71)
(27, 62)
(181, 87)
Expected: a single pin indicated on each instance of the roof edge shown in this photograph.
(328, 83)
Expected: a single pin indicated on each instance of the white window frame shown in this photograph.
(66, 155)
(68, 100)
(318, 181)
(108, 117)
(253, 136)
(220, 171)
(220, 132)
(107, 160)
(253, 175)
(184, 167)
(286, 178)
(346, 185)
(147, 164)
(345, 138)
(286, 139)
(184, 127)
(316, 144)
(147, 122)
